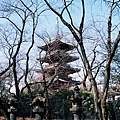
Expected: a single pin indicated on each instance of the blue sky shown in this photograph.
(99, 11)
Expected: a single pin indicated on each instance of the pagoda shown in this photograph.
(58, 58)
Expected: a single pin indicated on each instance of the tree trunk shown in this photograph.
(98, 110)
(47, 107)
(104, 110)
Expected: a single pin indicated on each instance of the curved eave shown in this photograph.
(69, 81)
(59, 44)
(61, 70)
(53, 59)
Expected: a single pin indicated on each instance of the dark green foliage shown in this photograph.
(113, 109)
(87, 104)
(111, 113)
(3, 107)
(118, 104)
(24, 108)
(60, 105)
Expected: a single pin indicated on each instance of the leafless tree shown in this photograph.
(111, 45)
(22, 18)
(52, 60)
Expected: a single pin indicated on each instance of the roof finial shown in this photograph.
(57, 29)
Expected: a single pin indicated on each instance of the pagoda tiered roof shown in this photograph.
(66, 69)
(58, 56)
(57, 44)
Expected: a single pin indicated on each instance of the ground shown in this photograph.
(1, 118)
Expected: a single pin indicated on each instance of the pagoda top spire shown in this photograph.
(57, 29)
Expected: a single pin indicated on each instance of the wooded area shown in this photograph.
(93, 27)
